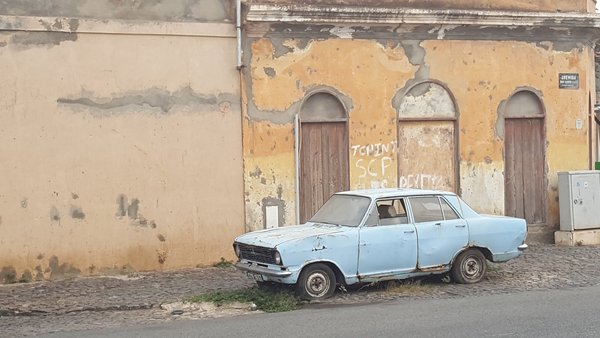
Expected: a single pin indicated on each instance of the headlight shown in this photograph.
(277, 258)
(236, 248)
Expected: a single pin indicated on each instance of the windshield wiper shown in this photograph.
(327, 223)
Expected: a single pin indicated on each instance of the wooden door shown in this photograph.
(323, 164)
(525, 173)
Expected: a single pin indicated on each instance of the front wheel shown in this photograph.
(316, 282)
(469, 267)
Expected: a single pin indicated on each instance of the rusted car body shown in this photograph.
(381, 234)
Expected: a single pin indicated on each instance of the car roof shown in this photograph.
(393, 192)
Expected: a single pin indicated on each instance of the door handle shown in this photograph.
(409, 232)
(438, 223)
(461, 225)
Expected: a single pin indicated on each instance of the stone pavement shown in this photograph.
(84, 303)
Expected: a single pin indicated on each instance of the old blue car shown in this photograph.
(380, 234)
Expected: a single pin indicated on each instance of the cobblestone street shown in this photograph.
(83, 303)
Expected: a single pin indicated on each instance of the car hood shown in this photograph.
(271, 238)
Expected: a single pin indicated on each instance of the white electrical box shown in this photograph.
(579, 200)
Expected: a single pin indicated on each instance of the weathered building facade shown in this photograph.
(486, 98)
(146, 135)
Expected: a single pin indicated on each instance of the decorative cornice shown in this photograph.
(315, 14)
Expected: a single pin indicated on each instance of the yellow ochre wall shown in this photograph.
(481, 75)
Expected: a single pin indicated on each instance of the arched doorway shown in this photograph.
(427, 141)
(524, 158)
(323, 153)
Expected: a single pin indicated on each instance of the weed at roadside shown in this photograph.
(223, 264)
(268, 301)
(408, 287)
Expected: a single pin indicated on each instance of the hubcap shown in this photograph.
(317, 284)
(471, 268)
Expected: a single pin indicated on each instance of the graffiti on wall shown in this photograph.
(422, 181)
(374, 162)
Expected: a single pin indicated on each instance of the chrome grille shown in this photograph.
(257, 253)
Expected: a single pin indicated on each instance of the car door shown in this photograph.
(441, 232)
(387, 241)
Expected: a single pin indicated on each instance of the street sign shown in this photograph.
(568, 80)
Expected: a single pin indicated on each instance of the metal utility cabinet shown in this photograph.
(579, 200)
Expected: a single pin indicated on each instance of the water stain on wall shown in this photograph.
(54, 214)
(122, 206)
(131, 210)
(152, 100)
(162, 256)
(25, 40)
(59, 271)
(76, 212)
(8, 275)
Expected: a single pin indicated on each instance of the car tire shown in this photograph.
(316, 282)
(469, 267)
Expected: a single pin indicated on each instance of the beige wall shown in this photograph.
(118, 151)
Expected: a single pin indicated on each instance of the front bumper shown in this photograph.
(261, 270)
(522, 247)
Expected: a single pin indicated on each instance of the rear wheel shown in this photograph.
(316, 282)
(469, 267)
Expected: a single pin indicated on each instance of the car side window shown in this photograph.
(449, 213)
(373, 218)
(392, 212)
(426, 209)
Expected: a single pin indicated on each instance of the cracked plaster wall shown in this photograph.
(119, 152)
(371, 74)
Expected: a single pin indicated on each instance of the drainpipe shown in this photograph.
(238, 29)
(240, 67)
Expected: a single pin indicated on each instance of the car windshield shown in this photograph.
(345, 210)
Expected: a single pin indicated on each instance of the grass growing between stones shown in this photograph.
(265, 300)
(407, 287)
